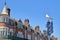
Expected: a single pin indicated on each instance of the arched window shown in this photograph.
(20, 35)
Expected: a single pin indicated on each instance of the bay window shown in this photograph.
(19, 25)
(3, 31)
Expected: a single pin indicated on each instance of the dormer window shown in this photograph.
(35, 31)
(19, 25)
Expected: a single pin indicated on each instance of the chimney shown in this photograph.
(44, 31)
(37, 28)
(8, 11)
(26, 22)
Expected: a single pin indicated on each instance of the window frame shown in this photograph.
(20, 34)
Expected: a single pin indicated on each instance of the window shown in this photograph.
(35, 38)
(35, 32)
(29, 37)
(19, 34)
(19, 25)
(1, 19)
(6, 20)
(29, 28)
(11, 22)
(3, 31)
(11, 32)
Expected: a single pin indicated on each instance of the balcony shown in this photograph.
(4, 38)
(12, 38)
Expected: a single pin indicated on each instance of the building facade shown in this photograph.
(16, 30)
(11, 29)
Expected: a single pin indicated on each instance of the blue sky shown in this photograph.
(35, 11)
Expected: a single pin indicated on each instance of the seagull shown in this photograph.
(48, 17)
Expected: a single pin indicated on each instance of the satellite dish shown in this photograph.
(48, 17)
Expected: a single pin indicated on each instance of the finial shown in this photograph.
(5, 2)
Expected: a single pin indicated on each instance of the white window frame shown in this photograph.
(35, 38)
(11, 31)
(29, 37)
(3, 31)
(20, 34)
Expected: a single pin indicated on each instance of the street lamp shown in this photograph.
(49, 26)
